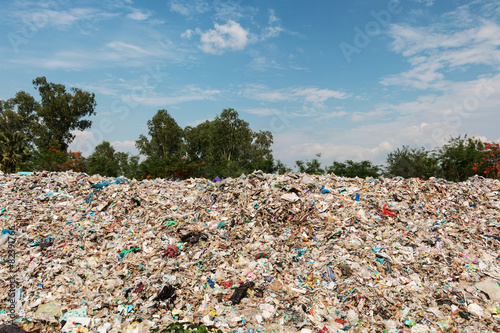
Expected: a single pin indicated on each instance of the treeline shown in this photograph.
(35, 135)
(225, 146)
(457, 160)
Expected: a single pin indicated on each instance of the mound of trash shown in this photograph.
(260, 253)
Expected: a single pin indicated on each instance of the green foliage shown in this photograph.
(198, 142)
(281, 168)
(53, 159)
(230, 138)
(185, 327)
(128, 165)
(261, 157)
(103, 161)
(353, 169)
(47, 124)
(13, 151)
(458, 157)
(166, 138)
(18, 114)
(411, 162)
(312, 167)
(59, 112)
(223, 147)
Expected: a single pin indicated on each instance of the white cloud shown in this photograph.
(427, 3)
(305, 148)
(274, 28)
(127, 48)
(460, 40)
(187, 34)
(188, 8)
(126, 146)
(139, 15)
(43, 16)
(262, 64)
(229, 36)
(262, 111)
(370, 115)
(319, 96)
(310, 95)
(84, 142)
(188, 94)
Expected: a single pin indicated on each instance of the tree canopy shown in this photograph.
(44, 124)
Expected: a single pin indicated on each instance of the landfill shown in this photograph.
(258, 253)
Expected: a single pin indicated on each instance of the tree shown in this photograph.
(59, 112)
(231, 138)
(13, 150)
(261, 156)
(128, 165)
(311, 167)
(281, 168)
(225, 146)
(197, 141)
(353, 169)
(53, 159)
(490, 162)
(411, 162)
(103, 161)
(458, 157)
(19, 114)
(166, 138)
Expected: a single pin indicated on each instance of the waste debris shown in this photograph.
(259, 253)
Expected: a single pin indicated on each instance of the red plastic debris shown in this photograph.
(340, 321)
(139, 288)
(226, 284)
(388, 212)
(171, 252)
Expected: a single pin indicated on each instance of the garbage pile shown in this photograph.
(260, 253)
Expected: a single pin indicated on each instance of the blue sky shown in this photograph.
(347, 79)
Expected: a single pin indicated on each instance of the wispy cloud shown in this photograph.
(263, 111)
(41, 16)
(189, 8)
(427, 3)
(263, 64)
(458, 41)
(309, 95)
(126, 146)
(187, 94)
(139, 15)
(128, 49)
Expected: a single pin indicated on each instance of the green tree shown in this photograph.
(281, 168)
(59, 112)
(103, 161)
(128, 165)
(411, 162)
(166, 138)
(231, 138)
(458, 157)
(312, 167)
(353, 169)
(13, 150)
(19, 114)
(261, 156)
(198, 141)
